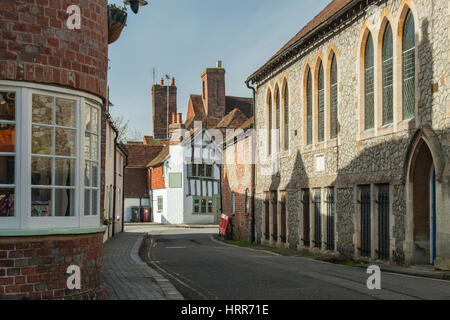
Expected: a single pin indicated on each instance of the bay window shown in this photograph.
(49, 157)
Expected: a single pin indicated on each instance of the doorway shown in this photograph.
(423, 180)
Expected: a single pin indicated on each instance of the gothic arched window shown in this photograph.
(309, 109)
(286, 117)
(368, 84)
(321, 104)
(408, 59)
(388, 67)
(333, 98)
(269, 111)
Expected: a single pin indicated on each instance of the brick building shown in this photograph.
(53, 84)
(353, 121)
(162, 109)
(237, 180)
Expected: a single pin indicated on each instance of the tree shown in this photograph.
(125, 132)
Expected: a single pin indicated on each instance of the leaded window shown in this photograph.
(369, 84)
(7, 153)
(269, 142)
(286, 117)
(408, 58)
(388, 66)
(333, 98)
(278, 118)
(321, 105)
(309, 109)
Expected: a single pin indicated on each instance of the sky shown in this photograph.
(183, 37)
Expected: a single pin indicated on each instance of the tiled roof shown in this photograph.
(140, 154)
(247, 124)
(150, 141)
(233, 120)
(327, 13)
(159, 159)
(243, 104)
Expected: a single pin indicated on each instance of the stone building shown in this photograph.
(353, 130)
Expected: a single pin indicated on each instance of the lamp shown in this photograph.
(135, 4)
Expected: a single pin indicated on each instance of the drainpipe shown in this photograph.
(123, 191)
(253, 238)
(116, 136)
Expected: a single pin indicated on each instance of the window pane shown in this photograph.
(309, 109)
(87, 202)
(94, 127)
(6, 202)
(94, 202)
(210, 206)
(64, 202)
(286, 118)
(196, 206)
(87, 118)
(65, 112)
(65, 142)
(94, 155)
(8, 107)
(87, 145)
(41, 202)
(209, 170)
(94, 174)
(42, 140)
(65, 172)
(42, 109)
(41, 171)
(87, 174)
(203, 205)
(7, 137)
(270, 123)
(7, 169)
(321, 105)
(388, 65)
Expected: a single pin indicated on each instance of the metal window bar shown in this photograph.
(274, 216)
(306, 225)
(266, 220)
(365, 221)
(383, 222)
(330, 219)
(317, 220)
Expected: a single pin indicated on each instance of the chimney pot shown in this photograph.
(173, 81)
(174, 117)
(179, 118)
(219, 64)
(161, 82)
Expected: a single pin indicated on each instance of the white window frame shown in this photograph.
(22, 200)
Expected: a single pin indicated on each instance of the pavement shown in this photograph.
(200, 268)
(127, 277)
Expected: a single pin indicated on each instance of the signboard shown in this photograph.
(223, 224)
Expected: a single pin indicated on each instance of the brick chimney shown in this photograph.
(160, 118)
(176, 125)
(213, 90)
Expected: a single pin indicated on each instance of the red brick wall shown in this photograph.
(35, 267)
(159, 109)
(156, 178)
(238, 178)
(37, 46)
(136, 183)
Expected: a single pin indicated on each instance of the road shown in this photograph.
(203, 269)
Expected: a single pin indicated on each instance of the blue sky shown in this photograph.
(182, 37)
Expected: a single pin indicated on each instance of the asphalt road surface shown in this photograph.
(202, 269)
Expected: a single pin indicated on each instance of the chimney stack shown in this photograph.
(213, 85)
(164, 112)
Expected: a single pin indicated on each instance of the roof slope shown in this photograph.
(159, 159)
(331, 9)
(233, 120)
(140, 154)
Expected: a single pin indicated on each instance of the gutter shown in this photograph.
(123, 190)
(116, 136)
(253, 238)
